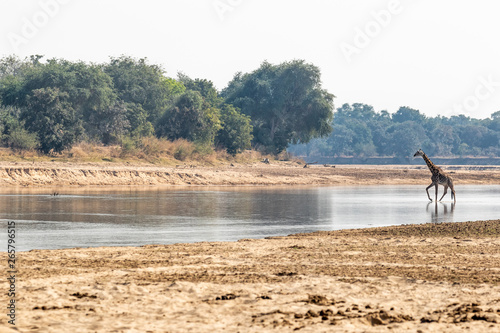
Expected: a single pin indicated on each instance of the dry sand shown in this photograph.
(277, 173)
(423, 278)
(426, 278)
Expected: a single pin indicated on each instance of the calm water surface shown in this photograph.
(159, 215)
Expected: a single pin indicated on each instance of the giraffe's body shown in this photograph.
(439, 177)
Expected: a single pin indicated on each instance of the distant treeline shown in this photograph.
(360, 131)
(51, 105)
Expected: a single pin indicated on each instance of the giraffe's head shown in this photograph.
(420, 152)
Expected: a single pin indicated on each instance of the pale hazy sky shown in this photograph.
(441, 57)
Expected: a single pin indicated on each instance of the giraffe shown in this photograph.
(438, 178)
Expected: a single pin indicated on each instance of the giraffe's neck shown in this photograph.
(431, 165)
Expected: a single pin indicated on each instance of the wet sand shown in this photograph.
(415, 278)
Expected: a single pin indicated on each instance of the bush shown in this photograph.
(129, 146)
(154, 147)
(21, 139)
(183, 149)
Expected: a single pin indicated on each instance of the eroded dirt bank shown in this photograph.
(418, 278)
(279, 173)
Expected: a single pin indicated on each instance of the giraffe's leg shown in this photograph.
(453, 193)
(427, 190)
(445, 191)
(437, 185)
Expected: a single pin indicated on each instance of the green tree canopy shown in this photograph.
(138, 82)
(406, 138)
(285, 102)
(405, 113)
(236, 132)
(360, 131)
(87, 86)
(206, 89)
(108, 125)
(12, 131)
(189, 119)
(51, 116)
(87, 90)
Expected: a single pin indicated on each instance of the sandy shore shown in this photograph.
(277, 173)
(418, 278)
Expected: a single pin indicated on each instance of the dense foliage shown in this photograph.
(51, 105)
(361, 132)
(286, 103)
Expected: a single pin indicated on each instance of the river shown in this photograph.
(132, 216)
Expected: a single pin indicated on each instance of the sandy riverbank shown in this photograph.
(277, 173)
(425, 278)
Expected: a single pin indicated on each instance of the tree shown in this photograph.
(236, 132)
(407, 138)
(494, 123)
(9, 120)
(460, 120)
(10, 88)
(109, 124)
(340, 141)
(52, 118)
(381, 139)
(12, 131)
(405, 113)
(206, 89)
(190, 120)
(87, 90)
(137, 118)
(478, 136)
(87, 87)
(359, 111)
(285, 102)
(12, 66)
(445, 140)
(138, 82)
(358, 130)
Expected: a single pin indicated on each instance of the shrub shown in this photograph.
(21, 139)
(154, 147)
(183, 149)
(129, 146)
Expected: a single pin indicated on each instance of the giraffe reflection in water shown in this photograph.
(439, 211)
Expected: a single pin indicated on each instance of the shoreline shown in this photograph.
(430, 277)
(40, 174)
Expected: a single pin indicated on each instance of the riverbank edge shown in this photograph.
(257, 173)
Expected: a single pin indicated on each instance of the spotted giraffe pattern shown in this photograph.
(439, 177)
